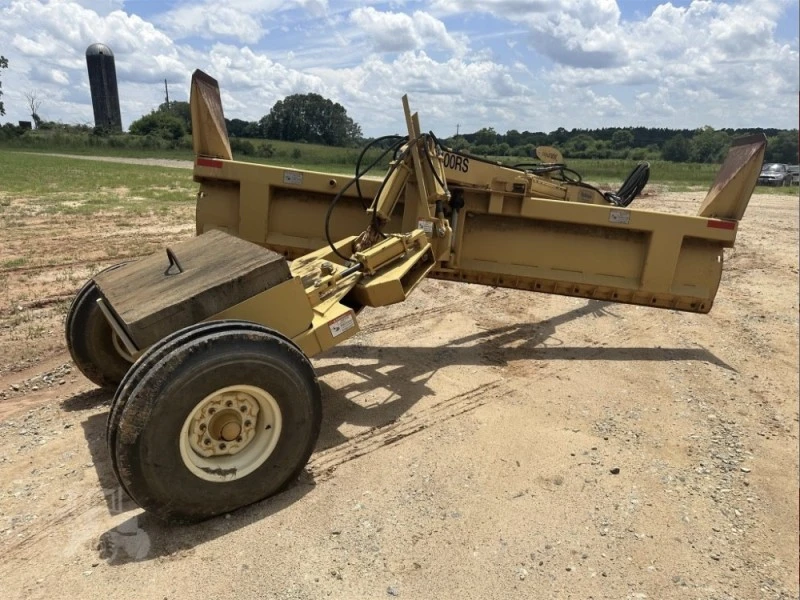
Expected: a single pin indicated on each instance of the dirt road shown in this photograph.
(477, 443)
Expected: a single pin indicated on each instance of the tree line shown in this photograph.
(704, 145)
(311, 118)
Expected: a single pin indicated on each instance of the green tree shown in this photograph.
(782, 148)
(181, 110)
(579, 146)
(622, 139)
(457, 142)
(485, 137)
(161, 124)
(513, 138)
(310, 118)
(3, 65)
(240, 128)
(709, 146)
(676, 149)
(502, 149)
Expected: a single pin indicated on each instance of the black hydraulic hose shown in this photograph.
(339, 195)
(430, 162)
(632, 187)
(361, 157)
(560, 168)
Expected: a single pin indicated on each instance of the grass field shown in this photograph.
(56, 185)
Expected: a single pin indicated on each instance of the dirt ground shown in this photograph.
(477, 443)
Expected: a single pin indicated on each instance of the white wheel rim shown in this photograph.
(210, 445)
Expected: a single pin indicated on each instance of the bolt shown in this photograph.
(243, 408)
(207, 441)
(211, 411)
(229, 403)
(202, 426)
(222, 446)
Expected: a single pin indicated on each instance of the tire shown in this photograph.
(173, 394)
(151, 357)
(90, 340)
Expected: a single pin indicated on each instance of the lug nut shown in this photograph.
(207, 442)
(243, 408)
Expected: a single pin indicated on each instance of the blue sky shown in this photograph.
(507, 64)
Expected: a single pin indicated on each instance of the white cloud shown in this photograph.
(399, 32)
(239, 20)
(211, 21)
(709, 56)
(521, 64)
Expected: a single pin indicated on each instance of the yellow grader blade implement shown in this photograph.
(736, 179)
(502, 226)
(211, 136)
(217, 404)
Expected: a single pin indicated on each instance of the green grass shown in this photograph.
(296, 154)
(61, 185)
(52, 185)
(13, 262)
(614, 171)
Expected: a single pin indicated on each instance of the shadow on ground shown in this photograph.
(403, 371)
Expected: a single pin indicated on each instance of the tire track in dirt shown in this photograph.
(385, 325)
(321, 466)
(75, 263)
(41, 529)
(324, 463)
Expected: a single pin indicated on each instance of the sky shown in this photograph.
(531, 65)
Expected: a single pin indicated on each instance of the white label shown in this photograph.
(619, 216)
(292, 177)
(426, 226)
(341, 324)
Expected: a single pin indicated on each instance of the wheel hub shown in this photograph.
(223, 424)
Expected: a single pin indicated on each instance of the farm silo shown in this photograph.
(103, 83)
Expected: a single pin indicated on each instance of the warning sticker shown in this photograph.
(292, 177)
(426, 226)
(341, 324)
(616, 215)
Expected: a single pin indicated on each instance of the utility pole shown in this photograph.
(166, 91)
(457, 126)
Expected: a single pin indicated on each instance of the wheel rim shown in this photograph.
(230, 433)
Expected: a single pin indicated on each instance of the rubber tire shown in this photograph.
(89, 339)
(160, 396)
(151, 357)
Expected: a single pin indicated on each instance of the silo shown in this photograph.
(103, 84)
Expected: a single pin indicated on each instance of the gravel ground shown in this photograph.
(477, 443)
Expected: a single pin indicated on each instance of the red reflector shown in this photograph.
(209, 162)
(718, 224)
